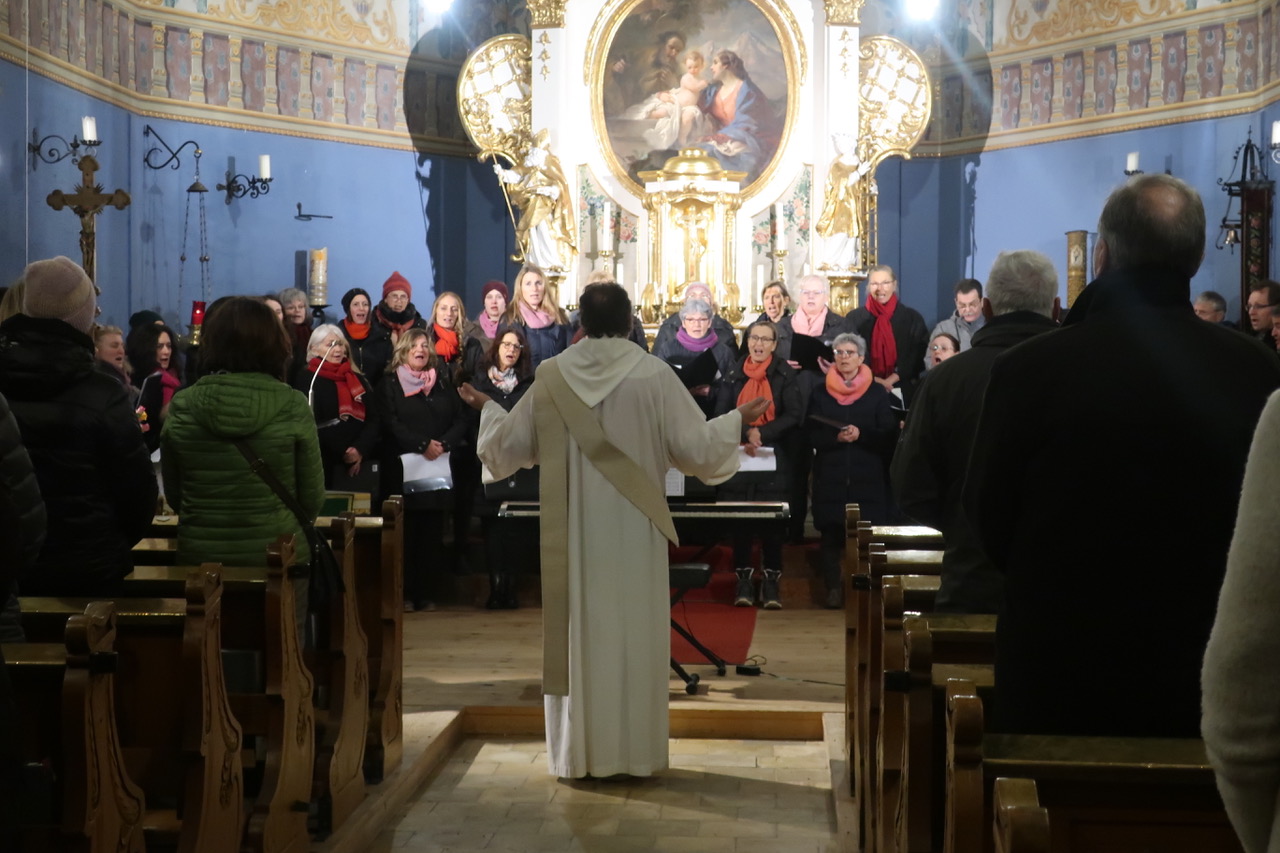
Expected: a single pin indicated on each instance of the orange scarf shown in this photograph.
(757, 385)
(847, 393)
(446, 342)
(356, 331)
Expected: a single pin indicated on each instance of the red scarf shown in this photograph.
(356, 331)
(169, 383)
(884, 348)
(446, 342)
(847, 393)
(757, 385)
(349, 387)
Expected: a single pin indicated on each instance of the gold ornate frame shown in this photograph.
(605, 29)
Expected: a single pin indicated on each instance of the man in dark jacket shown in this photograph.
(929, 467)
(1112, 547)
(82, 434)
(896, 335)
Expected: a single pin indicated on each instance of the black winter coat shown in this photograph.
(371, 354)
(911, 335)
(409, 424)
(929, 466)
(482, 383)
(852, 472)
(788, 412)
(337, 435)
(1105, 474)
(666, 333)
(22, 513)
(93, 468)
(674, 353)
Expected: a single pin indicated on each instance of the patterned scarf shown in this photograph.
(416, 381)
(884, 348)
(504, 380)
(446, 342)
(348, 385)
(846, 392)
(757, 385)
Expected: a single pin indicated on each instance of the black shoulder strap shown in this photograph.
(263, 470)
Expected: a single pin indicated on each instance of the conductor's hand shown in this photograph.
(753, 409)
(471, 396)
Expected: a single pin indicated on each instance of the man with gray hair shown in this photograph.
(929, 467)
(1211, 307)
(1084, 494)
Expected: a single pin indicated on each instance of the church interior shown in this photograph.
(350, 128)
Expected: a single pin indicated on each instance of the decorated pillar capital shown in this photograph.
(545, 14)
(843, 13)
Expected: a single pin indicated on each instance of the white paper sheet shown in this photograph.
(764, 460)
(674, 483)
(423, 475)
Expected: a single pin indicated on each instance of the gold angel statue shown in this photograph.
(843, 210)
(546, 231)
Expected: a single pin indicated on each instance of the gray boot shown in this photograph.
(769, 589)
(745, 596)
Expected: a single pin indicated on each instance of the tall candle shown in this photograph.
(264, 166)
(759, 294)
(1131, 162)
(1275, 134)
(197, 313)
(606, 227)
(89, 129)
(617, 272)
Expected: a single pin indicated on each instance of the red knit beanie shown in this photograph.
(495, 285)
(397, 282)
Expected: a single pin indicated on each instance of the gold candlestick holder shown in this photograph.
(607, 256)
(779, 264)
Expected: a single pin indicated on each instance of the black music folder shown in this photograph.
(806, 350)
(520, 486)
(700, 371)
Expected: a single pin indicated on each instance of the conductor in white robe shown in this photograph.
(605, 421)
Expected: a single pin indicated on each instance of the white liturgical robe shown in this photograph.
(614, 718)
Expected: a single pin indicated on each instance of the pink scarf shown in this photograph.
(416, 381)
(533, 318)
(803, 324)
(489, 327)
(169, 383)
(693, 344)
(846, 392)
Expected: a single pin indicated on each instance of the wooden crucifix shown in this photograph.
(87, 202)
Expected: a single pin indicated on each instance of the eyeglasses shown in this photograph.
(937, 348)
(1257, 307)
(756, 339)
(847, 353)
(509, 345)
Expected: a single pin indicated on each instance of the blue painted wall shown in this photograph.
(441, 221)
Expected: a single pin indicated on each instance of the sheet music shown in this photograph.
(764, 460)
(674, 485)
(423, 475)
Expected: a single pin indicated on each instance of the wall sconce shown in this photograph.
(1275, 142)
(238, 186)
(1131, 164)
(47, 150)
(153, 151)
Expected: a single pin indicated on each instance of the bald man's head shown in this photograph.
(1154, 221)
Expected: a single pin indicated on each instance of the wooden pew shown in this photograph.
(180, 742)
(1101, 794)
(1021, 823)
(935, 647)
(341, 664)
(869, 651)
(66, 709)
(277, 713)
(379, 573)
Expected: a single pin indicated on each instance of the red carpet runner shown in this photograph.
(709, 613)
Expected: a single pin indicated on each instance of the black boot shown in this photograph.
(769, 589)
(510, 592)
(497, 591)
(745, 595)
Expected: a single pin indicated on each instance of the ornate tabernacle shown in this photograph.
(692, 205)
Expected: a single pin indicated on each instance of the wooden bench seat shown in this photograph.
(66, 710)
(180, 741)
(1101, 794)
(275, 708)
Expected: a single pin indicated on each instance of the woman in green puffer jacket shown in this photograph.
(226, 512)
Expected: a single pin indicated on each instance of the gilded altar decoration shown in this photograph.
(495, 97)
(843, 13)
(843, 221)
(719, 75)
(546, 13)
(692, 204)
(1077, 264)
(537, 186)
(1068, 18)
(327, 18)
(895, 100)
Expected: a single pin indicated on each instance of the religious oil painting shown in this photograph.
(709, 74)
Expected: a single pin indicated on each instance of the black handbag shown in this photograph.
(324, 575)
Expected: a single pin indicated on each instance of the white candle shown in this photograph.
(617, 272)
(264, 166)
(1275, 134)
(759, 284)
(89, 129)
(1131, 162)
(606, 227)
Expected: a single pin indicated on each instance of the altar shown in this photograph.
(718, 142)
